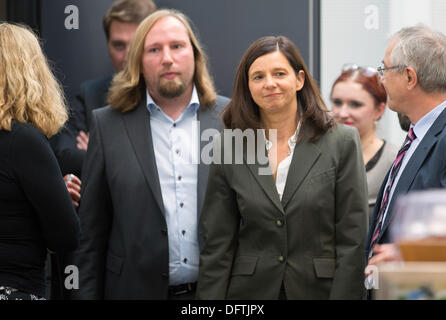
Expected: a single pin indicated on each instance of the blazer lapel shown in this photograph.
(304, 156)
(376, 210)
(137, 123)
(264, 179)
(414, 165)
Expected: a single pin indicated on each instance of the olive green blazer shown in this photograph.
(311, 241)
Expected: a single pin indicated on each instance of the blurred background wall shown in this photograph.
(226, 29)
(357, 31)
(329, 33)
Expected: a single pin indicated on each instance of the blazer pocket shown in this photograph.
(114, 263)
(326, 176)
(244, 265)
(324, 267)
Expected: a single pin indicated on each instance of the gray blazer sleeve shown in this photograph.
(351, 220)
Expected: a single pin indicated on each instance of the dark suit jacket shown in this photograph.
(124, 246)
(312, 240)
(92, 95)
(426, 169)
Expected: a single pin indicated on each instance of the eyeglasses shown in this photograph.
(367, 71)
(382, 69)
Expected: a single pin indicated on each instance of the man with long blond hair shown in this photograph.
(143, 191)
(119, 23)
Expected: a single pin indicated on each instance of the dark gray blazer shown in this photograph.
(426, 169)
(311, 241)
(92, 95)
(124, 246)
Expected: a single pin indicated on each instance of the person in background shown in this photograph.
(119, 23)
(414, 76)
(36, 212)
(297, 232)
(358, 99)
(142, 193)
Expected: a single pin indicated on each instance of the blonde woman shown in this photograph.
(36, 213)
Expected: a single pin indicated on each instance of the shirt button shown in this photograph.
(181, 204)
(281, 259)
(279, 223)
(174, 124)
(179, 178)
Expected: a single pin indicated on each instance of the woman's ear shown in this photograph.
(300, 80)
(380, 108)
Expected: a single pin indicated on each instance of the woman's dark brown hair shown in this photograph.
(243, 113)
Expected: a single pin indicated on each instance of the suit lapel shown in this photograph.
(376, 210)
(304, 156)
(267, 183)
(263, 175)
(137, 123)
(413, 166)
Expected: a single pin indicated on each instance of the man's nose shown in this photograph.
(167, 57)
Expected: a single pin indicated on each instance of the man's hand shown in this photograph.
(73, 184)
(82, 140)
(385, 253)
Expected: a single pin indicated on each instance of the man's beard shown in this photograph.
(171, 88)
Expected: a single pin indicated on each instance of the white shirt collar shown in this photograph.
(424, 124)
(291, 141)
(194, 101)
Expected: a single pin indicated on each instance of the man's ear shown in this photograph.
(411, 77)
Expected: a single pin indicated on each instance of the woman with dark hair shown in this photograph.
(298, 231)
(359, 100)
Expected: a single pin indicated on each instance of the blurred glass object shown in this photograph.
(419, 225)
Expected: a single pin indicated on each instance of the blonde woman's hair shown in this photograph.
(29, 92)
(128, 86)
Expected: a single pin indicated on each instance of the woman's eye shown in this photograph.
(356, 104)
(337, 102)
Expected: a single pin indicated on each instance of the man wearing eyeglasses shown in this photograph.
(414, 76)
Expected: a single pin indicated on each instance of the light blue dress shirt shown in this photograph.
(174, 142)
(420, 130)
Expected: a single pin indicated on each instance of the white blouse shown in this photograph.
(284, 165)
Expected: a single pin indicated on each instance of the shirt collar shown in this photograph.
(193, 105)
(291, 141)
(424, 124)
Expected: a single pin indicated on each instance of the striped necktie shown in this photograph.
(385, 200)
